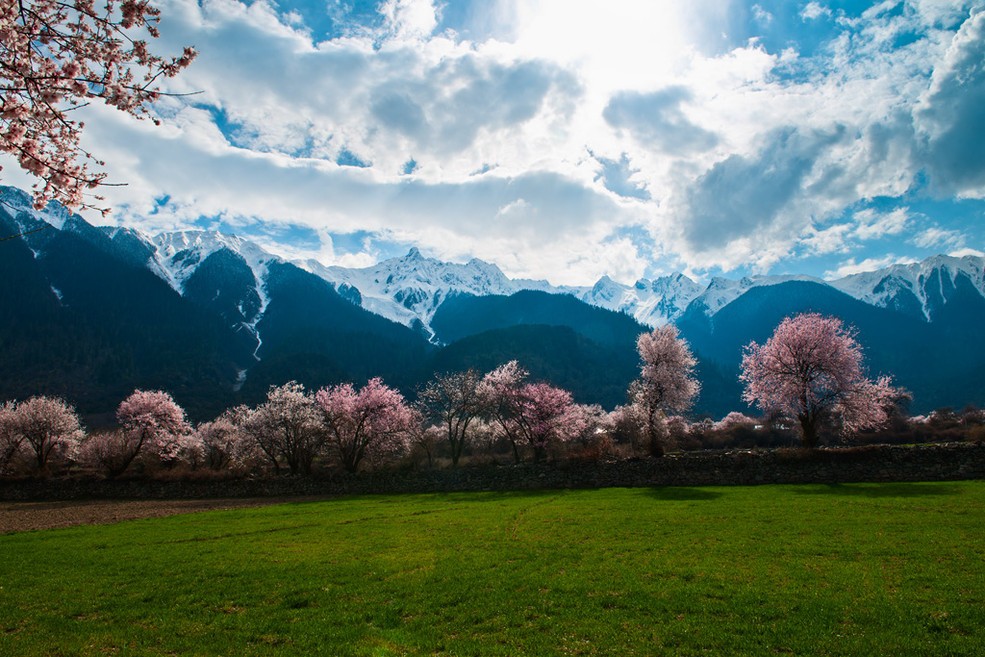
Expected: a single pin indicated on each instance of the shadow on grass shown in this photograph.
(901, 489)
(497, 495)
(682, 493)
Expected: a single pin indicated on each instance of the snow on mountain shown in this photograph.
(30, 222)
(923, 284)
(20, 205)
(180, 253)
(410, 288)
(652, 303)
(723, 291)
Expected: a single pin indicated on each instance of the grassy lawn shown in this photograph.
(891, 569)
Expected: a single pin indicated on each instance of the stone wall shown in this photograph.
(880, 463)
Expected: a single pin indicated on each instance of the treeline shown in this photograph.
(498, 416)
(467, 418)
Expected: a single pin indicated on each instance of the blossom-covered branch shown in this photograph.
(56, 57)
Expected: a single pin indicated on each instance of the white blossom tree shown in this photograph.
(288, 426)
(454, 401)
(666, 385)
(47, 426)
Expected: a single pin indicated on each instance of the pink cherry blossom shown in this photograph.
(370, 423)
(149, 420)
(811, 369)
(59, 55)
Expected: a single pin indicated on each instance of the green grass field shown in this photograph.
(893, 569)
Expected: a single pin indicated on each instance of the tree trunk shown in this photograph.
(808, 430)
(653, 427)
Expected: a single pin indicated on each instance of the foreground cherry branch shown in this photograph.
(56, 57)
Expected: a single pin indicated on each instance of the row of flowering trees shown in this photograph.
(809, 373)
(293, 428)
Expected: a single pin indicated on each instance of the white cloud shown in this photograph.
(814, 10)
(935, 237)
(829, 240)
(961, 253)
(409, 19)
(762, 16)
(949, 116)
(850, 266)
(871, 224)
(728, 155)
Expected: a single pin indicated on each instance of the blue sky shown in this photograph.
(567, 140)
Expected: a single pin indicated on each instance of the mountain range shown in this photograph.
(90, 313)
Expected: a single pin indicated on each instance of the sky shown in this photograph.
(566, 140)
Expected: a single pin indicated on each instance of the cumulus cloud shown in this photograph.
(871, 224)
(814, 10)
(486, 130)
(658, 120)
(409, 19)
(828, 240)
(746, 197)
(618, 177)
(952, 113)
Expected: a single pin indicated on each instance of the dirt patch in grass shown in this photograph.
(27, 516)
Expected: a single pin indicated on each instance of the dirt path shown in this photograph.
(25, 516)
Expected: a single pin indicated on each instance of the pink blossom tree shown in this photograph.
(369, 423)
(11, 439)
(542, 415)
(150, 420)
(57, 56)
(532, 414)
(666, 385)
(500, 391)
(454, 401)
(48, 426)
(423, 435)
(584, 424)
(260, 438)
(811, 369)
(732, 420)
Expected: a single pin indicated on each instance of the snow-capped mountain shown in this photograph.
(20, 205)
(95, 312)
(180, 254)
(920, 288)
(224, 273)
(409, 289)
(723, 291)
(652, 303)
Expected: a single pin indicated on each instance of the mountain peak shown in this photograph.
(921, 286)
